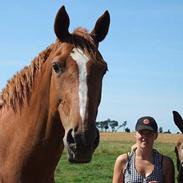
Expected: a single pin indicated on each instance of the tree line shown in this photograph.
(114, 126)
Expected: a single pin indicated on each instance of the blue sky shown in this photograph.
(144, 51)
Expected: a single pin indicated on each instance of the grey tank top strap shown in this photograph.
(132, 176)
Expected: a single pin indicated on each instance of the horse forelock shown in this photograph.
(83, 33)
(20, 85)
(83, 39)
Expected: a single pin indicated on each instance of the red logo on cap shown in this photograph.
(146, 122)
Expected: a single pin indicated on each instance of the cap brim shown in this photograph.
(145, 127)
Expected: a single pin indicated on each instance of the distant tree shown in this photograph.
(168, 131)
(106, 124)
(160, 129)
(122, 125)
(127, 130)
(106, 127)
(113, 124)
(102, 125)
(99, 125)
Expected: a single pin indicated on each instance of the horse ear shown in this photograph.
(178, 120)
(101, 27)
(61, 25)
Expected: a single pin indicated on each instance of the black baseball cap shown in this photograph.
(146, 123)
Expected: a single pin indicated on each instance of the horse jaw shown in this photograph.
(79, 150)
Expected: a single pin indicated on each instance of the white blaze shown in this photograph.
(81, 59)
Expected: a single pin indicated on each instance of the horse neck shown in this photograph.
(39, 100)
(40, 144)
(38, 105)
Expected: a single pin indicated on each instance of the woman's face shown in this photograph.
(145, 138)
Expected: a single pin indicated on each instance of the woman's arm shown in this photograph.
(168, 170)
(119, 166)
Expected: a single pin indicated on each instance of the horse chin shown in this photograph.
(79, 157)
(79, 153)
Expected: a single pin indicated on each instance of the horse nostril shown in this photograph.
(83, 140)
(70, 138)
(71, 142)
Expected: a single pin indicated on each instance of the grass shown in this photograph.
(100, 169)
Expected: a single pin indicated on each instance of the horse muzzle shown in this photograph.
(81, 146)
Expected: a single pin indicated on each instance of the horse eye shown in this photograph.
(57, 67)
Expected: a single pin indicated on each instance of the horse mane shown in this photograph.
(20, 85)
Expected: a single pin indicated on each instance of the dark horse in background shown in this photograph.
(52, 102)
(179, 146)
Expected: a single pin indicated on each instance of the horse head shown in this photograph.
(76, 84)
(179, 145)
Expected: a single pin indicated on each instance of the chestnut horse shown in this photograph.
(51, 103)
(179, 146)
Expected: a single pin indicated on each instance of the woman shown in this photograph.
(144, 164)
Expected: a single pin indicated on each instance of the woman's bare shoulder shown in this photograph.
(122, 159)
(119, 168)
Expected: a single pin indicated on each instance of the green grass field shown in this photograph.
(100, 169)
